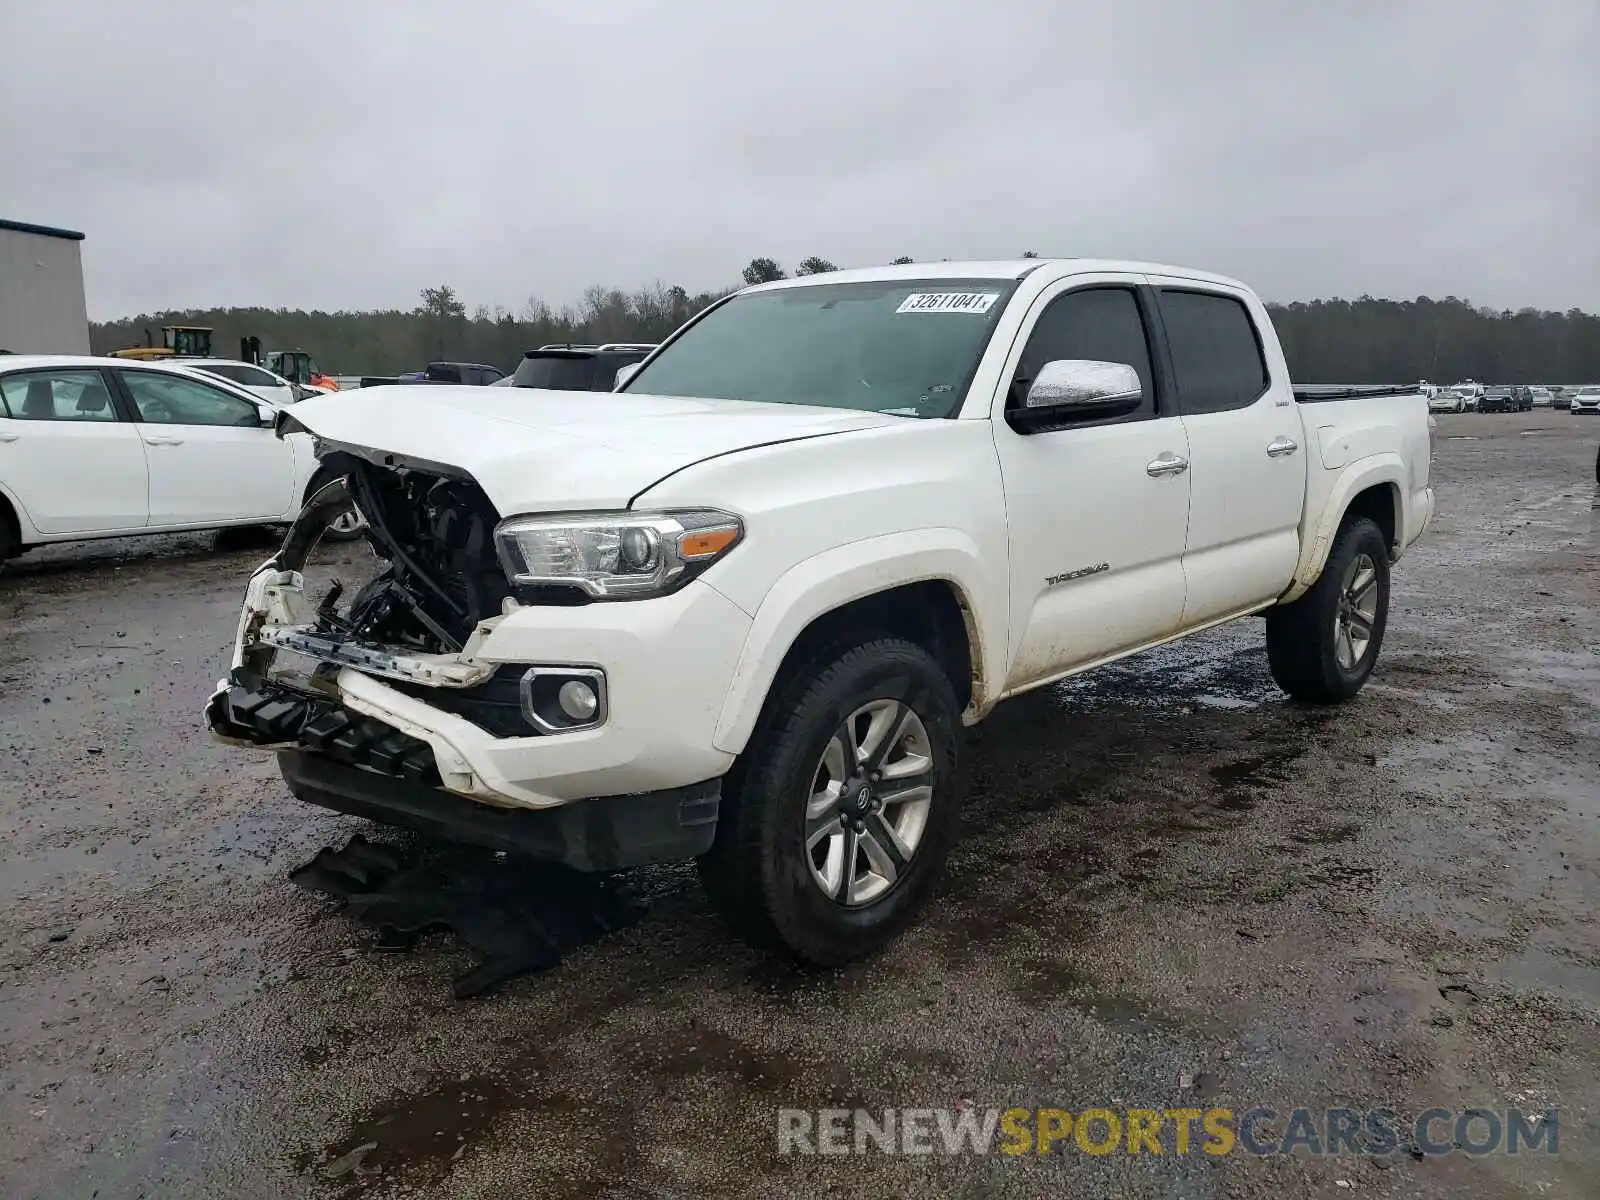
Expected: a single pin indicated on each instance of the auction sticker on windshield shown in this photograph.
(956, 302)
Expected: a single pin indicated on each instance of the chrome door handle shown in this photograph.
(1278, 447)
(163, 441)
(1167, 464)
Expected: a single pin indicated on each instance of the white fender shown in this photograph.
(849, 572)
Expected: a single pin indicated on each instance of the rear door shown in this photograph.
(1096, 512)
(210, 457)
(1247, 466)
(65, 455)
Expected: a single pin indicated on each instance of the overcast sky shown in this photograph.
(346, 153)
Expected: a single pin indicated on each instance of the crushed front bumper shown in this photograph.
(353, 764)
(456, 725)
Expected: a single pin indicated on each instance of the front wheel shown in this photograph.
(348, 525)
(840, 813)
(1322, 647)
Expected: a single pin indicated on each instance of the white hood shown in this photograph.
(533, 450)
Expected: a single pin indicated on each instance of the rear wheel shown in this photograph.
(840, 814)
(1322, 647)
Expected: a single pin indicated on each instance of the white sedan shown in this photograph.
(258, 381)
(106, 447)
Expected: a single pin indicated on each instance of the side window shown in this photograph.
(56, 396)
(1100, 323)
(1216, 355)
(167, 400)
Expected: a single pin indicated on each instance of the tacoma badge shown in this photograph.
(1052, 580)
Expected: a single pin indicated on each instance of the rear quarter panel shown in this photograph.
(1378, 441)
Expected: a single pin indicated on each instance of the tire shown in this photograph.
(759, 873)
(349, 532)
(1306, 640)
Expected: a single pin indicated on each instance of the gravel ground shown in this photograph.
(1174, 889)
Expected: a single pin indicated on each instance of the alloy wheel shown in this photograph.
(1356, 616)
(870, 798)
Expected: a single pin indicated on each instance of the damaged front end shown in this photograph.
(416, 623)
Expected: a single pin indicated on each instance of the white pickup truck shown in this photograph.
(741, 608)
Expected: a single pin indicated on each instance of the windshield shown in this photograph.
(905, 347)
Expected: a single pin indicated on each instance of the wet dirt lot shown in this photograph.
(1174, 890)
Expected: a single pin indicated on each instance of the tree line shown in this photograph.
(1366, 340)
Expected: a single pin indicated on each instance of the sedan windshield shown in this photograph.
(904, 347)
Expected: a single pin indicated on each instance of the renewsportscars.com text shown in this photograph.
(1260, 1131)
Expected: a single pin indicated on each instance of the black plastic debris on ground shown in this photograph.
(517, 916)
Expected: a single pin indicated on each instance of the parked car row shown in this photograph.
(1473, 397)
(1505, 399)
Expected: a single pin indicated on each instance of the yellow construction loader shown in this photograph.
(177, 341)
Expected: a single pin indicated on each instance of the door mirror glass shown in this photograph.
(1077, 389)
(624, 374)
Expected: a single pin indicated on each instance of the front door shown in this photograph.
(68, 461)
(210, 457)
(1097, 512)
(1248, 467)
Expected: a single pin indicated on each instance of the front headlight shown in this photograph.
(615, 556)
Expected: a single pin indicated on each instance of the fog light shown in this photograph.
(577, 700)
(558, 699)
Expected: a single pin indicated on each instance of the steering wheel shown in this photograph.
(158, 411)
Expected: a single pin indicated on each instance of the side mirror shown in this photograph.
(1067, 390)
(267, 415)
(624, 374)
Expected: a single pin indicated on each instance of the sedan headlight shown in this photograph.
(615, 556)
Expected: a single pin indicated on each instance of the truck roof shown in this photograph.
(1009, 268)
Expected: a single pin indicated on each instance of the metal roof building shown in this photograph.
(42, 310)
